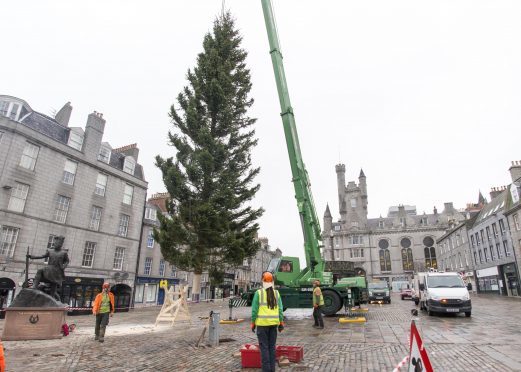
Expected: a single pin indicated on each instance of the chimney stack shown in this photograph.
(515, 170)
(495, 191)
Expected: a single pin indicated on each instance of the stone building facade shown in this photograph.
(61, 180)
(388, 248)
(494, 239)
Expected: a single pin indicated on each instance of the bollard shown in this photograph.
(213, 334)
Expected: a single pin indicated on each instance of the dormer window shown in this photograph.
(381, 224)
(10, 109)
(75, 140)
(104, 154)
(129, 165)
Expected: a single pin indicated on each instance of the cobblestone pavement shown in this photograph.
(488, 341)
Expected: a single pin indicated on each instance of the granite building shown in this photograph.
(57, 179)
(388, 248)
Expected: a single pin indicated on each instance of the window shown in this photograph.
(494, 229)
(119, 255)
(472, 242)
(127, 194)
(477, 239)
(173, 271)
(353, 203)
(407, 259)
(480, 256)
(95, 218)
(148, 265)
(4, 108)
(150, 239)
(356, 252)
(8, 240)
(75, 140)
(101, 184)
(337, 254)
(88, 254)
(161, 268)
(104, 154)
(457, 240)
(485, 253)
(337, 227)
(385, 256)
(498, 250)
(69, 172)
(286, 266)
(475, 258)
(402, 221)
(381, 224)
(62, 207)
(492, 253)
(123, 225)
(430, 253)
(14, 111)
(482, 236)
(488, 233)
(150, 214)
(29, 156)
(18, 197)
(516, 222)
(129, 165)
(356, 239)
(507, 249)
(423, 221)
(502, 226)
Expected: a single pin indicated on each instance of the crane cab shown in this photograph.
(286, 269)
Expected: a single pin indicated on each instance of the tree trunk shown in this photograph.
(196, 287)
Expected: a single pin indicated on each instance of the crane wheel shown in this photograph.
(332, 302)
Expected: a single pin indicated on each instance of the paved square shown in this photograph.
(488, 341)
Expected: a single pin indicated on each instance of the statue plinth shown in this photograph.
(34, 315)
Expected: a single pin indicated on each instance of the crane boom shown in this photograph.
(306, 207)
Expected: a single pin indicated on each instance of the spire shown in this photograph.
(361, 173)
(327, 213)
(481, 199)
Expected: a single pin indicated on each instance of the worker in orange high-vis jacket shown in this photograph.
(103, 308)
(267, 317)
(2, 358)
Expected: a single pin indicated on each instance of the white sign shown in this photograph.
(418, 358)
(489, 271)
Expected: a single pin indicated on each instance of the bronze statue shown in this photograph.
(54, 272)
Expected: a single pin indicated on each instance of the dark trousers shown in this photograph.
(317, 316)
(101, 321)
(267, 337)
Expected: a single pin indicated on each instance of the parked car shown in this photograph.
(379, 291)
(406, 293)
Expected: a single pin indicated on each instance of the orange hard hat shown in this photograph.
(267, 277)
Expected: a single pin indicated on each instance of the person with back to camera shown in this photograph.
(267, 317)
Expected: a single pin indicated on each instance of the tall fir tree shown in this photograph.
(211, 224)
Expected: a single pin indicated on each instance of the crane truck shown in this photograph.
(295, 284)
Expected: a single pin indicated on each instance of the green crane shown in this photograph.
(295, 285)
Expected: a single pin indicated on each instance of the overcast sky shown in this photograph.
(424, 96)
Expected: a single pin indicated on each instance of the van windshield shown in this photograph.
(447, 281)
(377, 285)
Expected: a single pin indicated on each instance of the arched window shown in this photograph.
(407, 259)
(430, 253)
(385, 256)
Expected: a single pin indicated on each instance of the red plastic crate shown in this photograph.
(294, 353)
(250, 358)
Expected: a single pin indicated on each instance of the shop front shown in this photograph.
(122, 296)
(148, 291)
(510, 278)
(489, 281)
(7, 291)
(79, 293)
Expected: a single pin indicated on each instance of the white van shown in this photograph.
(441, 292)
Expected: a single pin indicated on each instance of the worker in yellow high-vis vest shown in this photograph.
(267, 317)
(318, 302)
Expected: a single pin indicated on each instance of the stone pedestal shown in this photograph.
(33, 323)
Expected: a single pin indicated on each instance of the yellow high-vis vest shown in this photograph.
(317, 292)
(267, 316)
